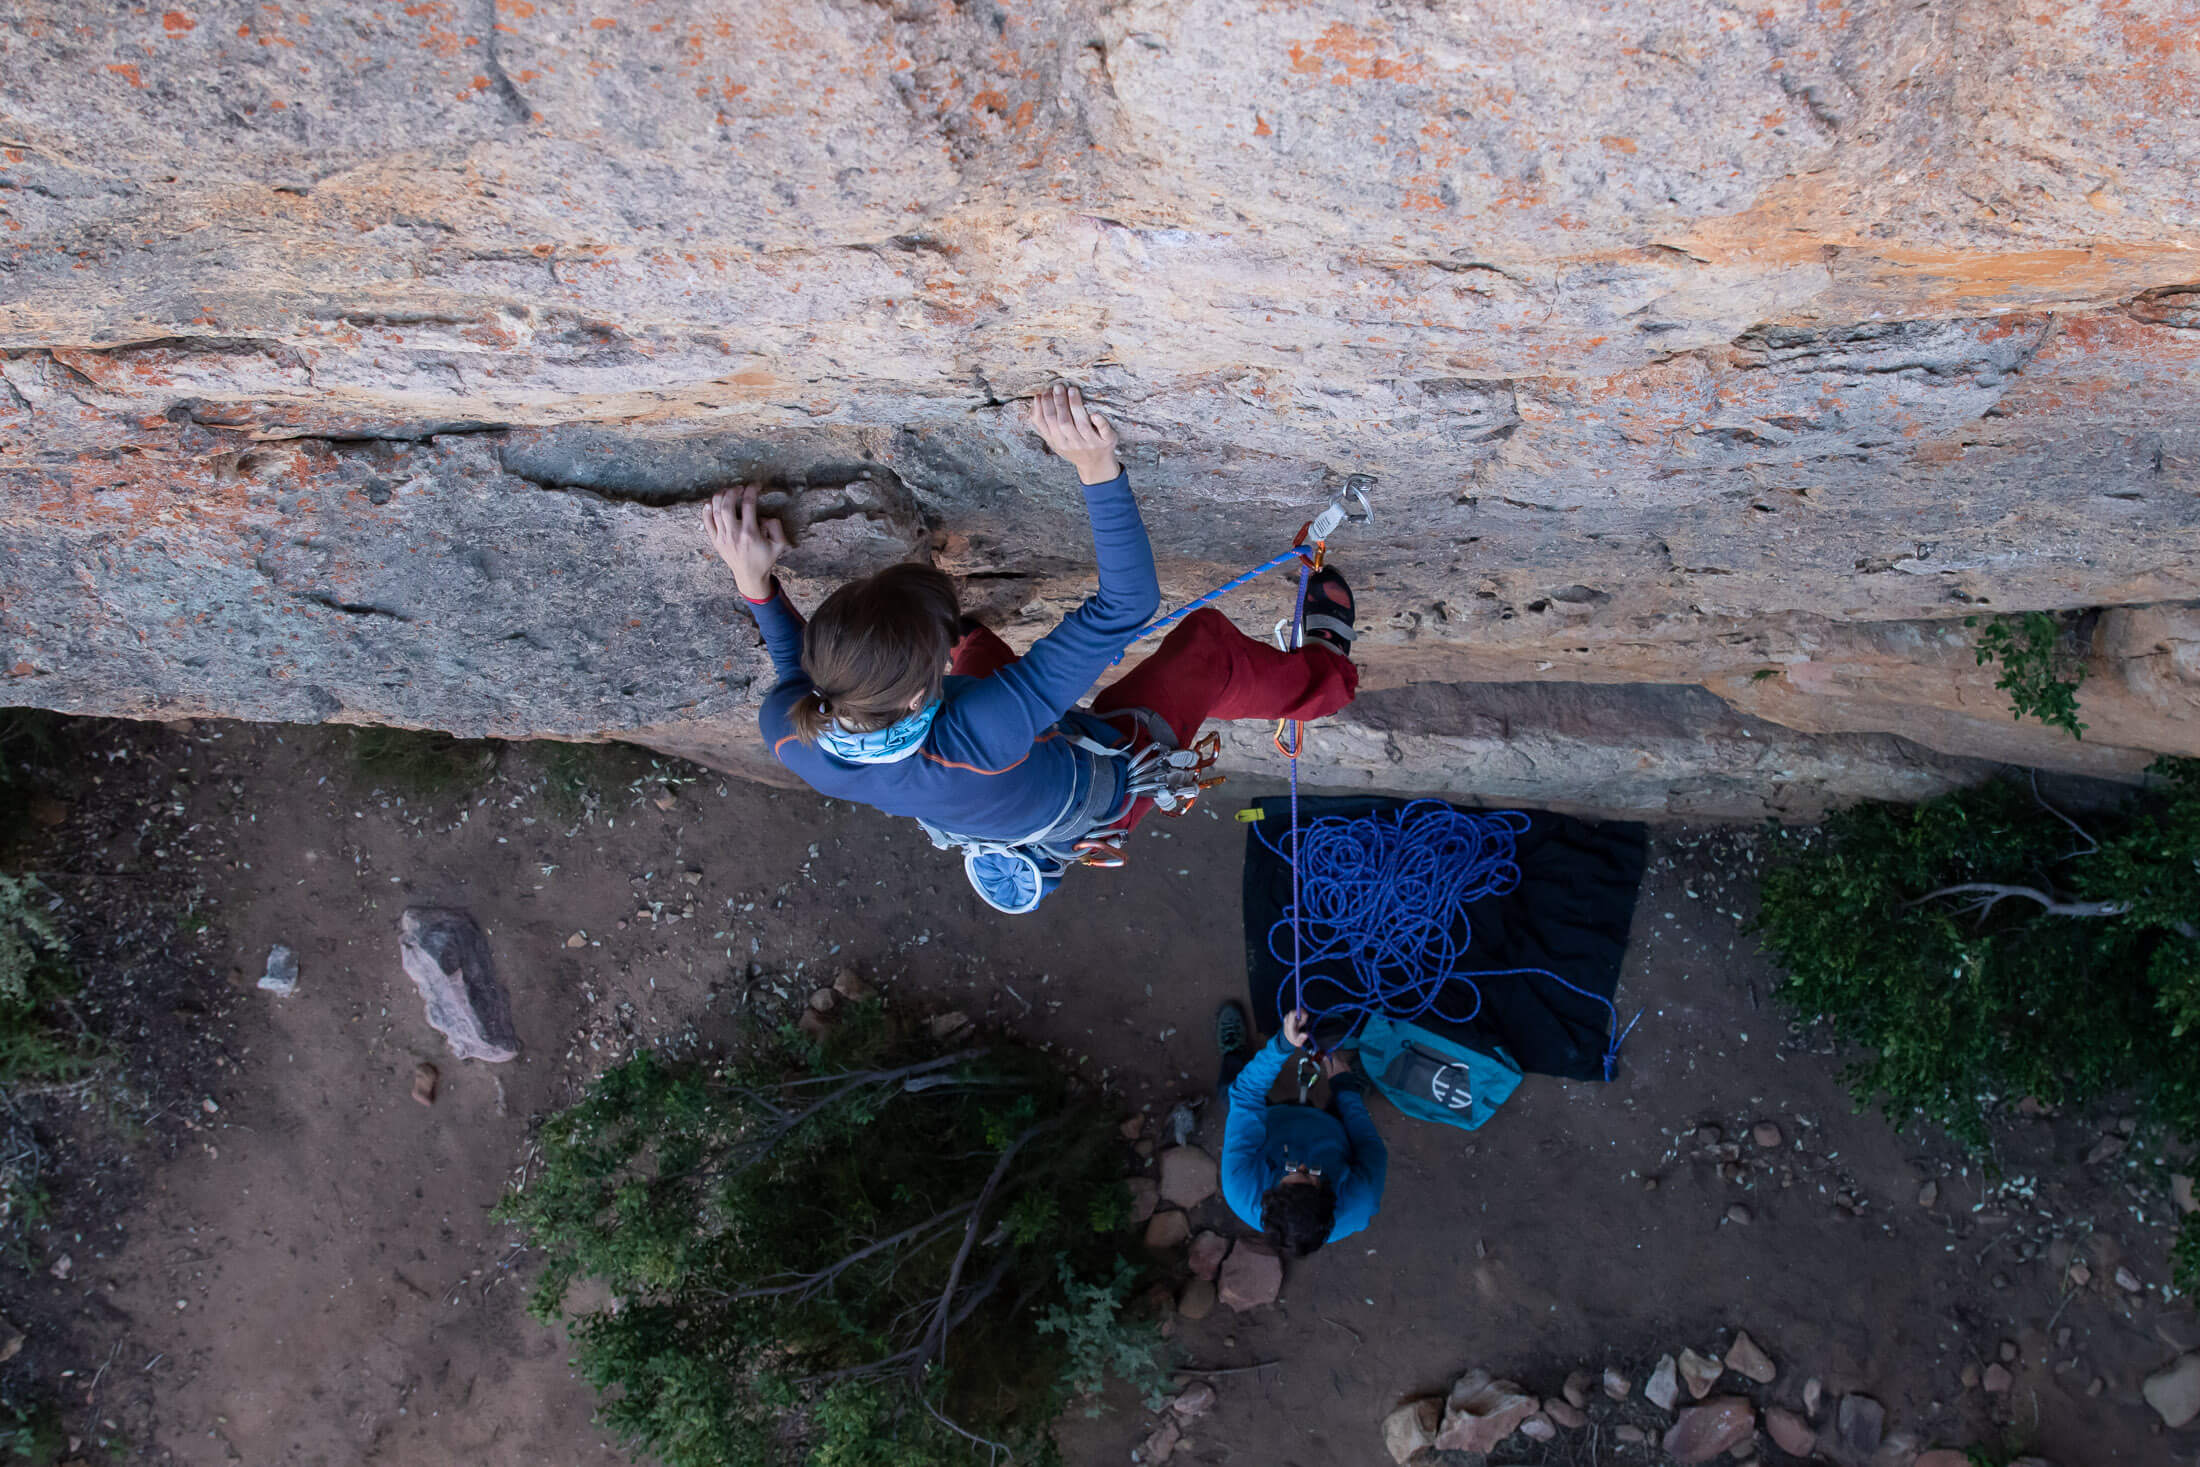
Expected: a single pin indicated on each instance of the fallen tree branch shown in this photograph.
(935, 1339)
(1995, 891)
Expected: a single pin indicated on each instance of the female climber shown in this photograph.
(889, 696)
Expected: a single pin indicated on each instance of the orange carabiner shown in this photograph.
(1099, 853)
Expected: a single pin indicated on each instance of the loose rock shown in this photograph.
(1616, 1385)
(1790, 1432)
(1167, 1230)
(1566, 1414)
(1738, 1214)
(1196, 1400)
(1189, 1176)
(2128, 1281)
(1133, 1128)
(1928, 1195)
(825, 1000)
(851, 987)
(1699, 1374)
(2180, 1191)
(1632, 1435)
(425, 1079)
(1251, 1276)
(281, 977)
(2175, 1393)
(1198, 1299)
(1718, 1425)
(1860, 1422)
(1814, 1391)
(1766, 1134)
(949, 1024)
(1664, 1387)
(1998, 1380)
(1482, 1412)
(1411, 1429)
(578, 939)
(1208, 1251)
(1145, 1197)
(1538, 1428)
(1161, 1445)
(1745, 1359)
(1577, 1388)
(12, 1341)
(446, 955)
(1944, 1457)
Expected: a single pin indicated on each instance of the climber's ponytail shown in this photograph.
(876, 647)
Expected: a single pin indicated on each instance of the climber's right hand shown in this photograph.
(749, 549)
(1296, 1028)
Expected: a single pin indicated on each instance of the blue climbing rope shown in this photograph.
(1161, 623)
(1380, 902)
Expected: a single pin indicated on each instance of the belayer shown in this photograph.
(891, 697)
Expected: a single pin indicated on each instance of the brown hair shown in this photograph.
(874, 647)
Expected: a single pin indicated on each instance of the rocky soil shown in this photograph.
(277, 1252)
(1712, 365)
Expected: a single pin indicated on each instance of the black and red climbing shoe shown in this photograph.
(1329, 608)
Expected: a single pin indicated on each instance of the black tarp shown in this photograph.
(1569, 915)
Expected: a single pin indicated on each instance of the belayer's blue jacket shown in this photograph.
(993, 765)
(1260, 1142)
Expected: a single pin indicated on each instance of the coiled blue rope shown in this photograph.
(1378, 922)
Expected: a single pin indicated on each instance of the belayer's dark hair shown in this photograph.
(874, 647)
(1297, 1217)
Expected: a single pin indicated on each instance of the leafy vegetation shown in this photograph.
(842, 1255)
(2027, 647)
(2184, 1258)
(422, 761)
(1984, 945)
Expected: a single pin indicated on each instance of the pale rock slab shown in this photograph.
(446, 955)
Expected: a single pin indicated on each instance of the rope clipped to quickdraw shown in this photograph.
(1317, 529)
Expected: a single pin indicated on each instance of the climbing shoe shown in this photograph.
(1233, 1032)
(1329, 609)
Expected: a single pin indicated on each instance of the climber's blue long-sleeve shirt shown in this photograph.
(1261, 1141)
(993, 765)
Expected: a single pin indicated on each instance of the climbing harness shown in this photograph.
(1380, 902)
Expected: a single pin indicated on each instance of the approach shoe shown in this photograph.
(1233, 1031)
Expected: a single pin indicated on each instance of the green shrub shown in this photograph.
(1982, 945)
(836, 1256)
(2184, 1258)
(2026, 647)
(422, 761)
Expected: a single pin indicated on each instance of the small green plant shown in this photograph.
(2027, 648)
(32, 1432)
(421, 761)
(1104, 1340)
(835, 1255)
(2184, 1258)
(1983, 945)
(29, 939)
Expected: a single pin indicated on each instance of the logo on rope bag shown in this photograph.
(1452, 1087)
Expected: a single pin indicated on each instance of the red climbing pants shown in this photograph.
(1204, 668)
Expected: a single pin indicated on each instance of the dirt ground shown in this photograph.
(277, 1256)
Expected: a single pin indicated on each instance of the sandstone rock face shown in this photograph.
(365, 367)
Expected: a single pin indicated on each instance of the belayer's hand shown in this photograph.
(750, 550)
(1295, 1027)
(1076, 432)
